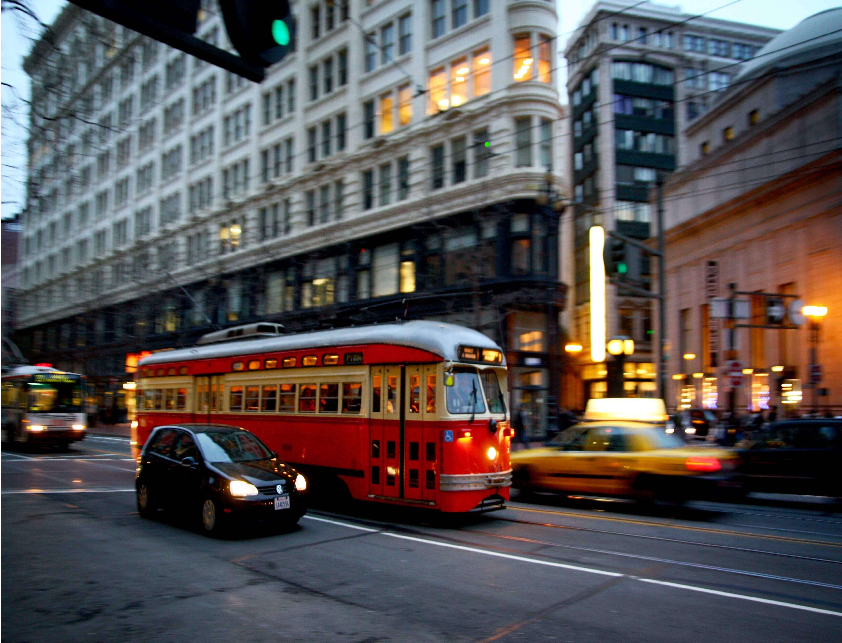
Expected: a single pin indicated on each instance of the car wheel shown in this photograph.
(212, 521)
(145, 502)
(644, 489)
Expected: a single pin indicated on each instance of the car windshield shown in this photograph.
(465, 396)
(231, 446)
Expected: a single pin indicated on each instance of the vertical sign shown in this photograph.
(711, 291)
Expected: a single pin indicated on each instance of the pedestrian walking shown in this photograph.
(521, 424)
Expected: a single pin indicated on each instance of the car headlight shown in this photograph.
(78, 427)
(300, 483)
(241, 488)
(36, 427)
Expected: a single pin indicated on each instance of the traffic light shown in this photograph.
(615, 258)
(262, 32)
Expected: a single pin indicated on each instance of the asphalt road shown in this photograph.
(78, 563)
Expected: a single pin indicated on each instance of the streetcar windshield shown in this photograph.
(493, 392)
(231, 446)
(55, 397)
(465, 395)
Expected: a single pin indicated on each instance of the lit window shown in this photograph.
(438, 91)
(387, 113)
(544, 59)
(309, 360)
(254, 365)
(459, 71)
(482, 72)
(404, 104)
(523, 58)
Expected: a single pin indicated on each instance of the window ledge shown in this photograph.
(477, 23)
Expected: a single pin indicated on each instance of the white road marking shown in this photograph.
(103, 438)
(81, 458)
(46, 491)
(588, 570)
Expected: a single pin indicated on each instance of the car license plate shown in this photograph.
(282, 502)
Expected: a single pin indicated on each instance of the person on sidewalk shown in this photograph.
(521, 424)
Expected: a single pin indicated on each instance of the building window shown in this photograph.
(754, 117)
(368, 119)
(311, 208)
(340, 132)
(405, 34)
(438, 18)
(311, 145)
(482, 153)
(545, 63)
(438, 91)
(324, 204)
(404, 104)
(728, 133)
(458, 155)
(482, 72)
(314, 82)
(387, 44)
(480, 8)
(437, 154)
(460, 13)
(459, 72)
(327, 75)
(339, 199)
(387, 113)
(547, 144)
(342, 68)
(385, 183)
(370, 52)
(523, 58)
(326, 138)
(368, 189)
(523, 141)
(403, 178)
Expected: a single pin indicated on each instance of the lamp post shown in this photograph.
(815, 313)
(619, 347)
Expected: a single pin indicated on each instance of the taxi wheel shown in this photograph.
(145, 503)
(644, 489)
(212, 520)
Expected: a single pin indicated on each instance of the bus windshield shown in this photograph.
(55, 397)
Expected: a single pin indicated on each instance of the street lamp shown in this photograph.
(815, 313)
(619, 347)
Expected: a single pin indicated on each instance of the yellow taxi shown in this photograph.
(622, 449)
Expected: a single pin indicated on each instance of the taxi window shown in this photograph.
(571, 439)
(597, 439)
(162, 442)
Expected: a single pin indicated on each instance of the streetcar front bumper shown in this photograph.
(475, 481)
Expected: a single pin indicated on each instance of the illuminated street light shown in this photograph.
(573, 348)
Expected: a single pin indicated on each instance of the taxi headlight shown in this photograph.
(300, 483)
(78, 427)
(36, 427)
(241, 488)
(491, 453)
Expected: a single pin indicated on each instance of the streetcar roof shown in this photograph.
(439, 338)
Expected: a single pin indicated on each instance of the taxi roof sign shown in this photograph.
(630, 409)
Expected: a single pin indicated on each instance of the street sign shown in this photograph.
(739, 308)
(775, 310)
(734, 369)
(815, 373)
(795, 315)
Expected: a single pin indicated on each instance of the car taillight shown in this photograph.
(707, 465)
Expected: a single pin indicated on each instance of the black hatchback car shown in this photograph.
(215, 473)
(802, 456)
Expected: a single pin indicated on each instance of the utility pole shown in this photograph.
(662, 291)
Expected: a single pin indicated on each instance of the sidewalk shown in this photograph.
(123, 430)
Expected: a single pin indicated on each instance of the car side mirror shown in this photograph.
(190, 461)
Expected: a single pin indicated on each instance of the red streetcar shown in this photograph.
(410, 413)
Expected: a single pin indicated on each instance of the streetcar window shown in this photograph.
(465, 395)
(159, 372)
(235, 401)
(159, 399)
(414, 393)
(307, 398)
(493, 392)
(181, 399)
(431, 394)
(254, 365)
(138, 396)
(182, 370)
(169, 399)
(252, 399)
(375, 394)
(289, 362)
(171, 370)
(392, 399)
(309, 360)
(269, 399)
(237, 366)
(352, 397)
(149, 400)
(329, 398)
(286, 399)
(270, 363)
(330, 360)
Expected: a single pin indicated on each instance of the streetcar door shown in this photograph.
(393, 431)
(208, 397)
(431, 447)
(413, 431)
(376, 446)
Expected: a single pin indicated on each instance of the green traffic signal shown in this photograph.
(622, 268)
(280, 32)
(488, 143)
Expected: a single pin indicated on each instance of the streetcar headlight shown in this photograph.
(492, 453)
(241, 488)
(134, 424)
(301, 483)
(78, 427)
(36, 427)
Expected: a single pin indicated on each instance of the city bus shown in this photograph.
(409, 413)
(42, 405)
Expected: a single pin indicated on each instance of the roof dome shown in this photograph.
(811, 39)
